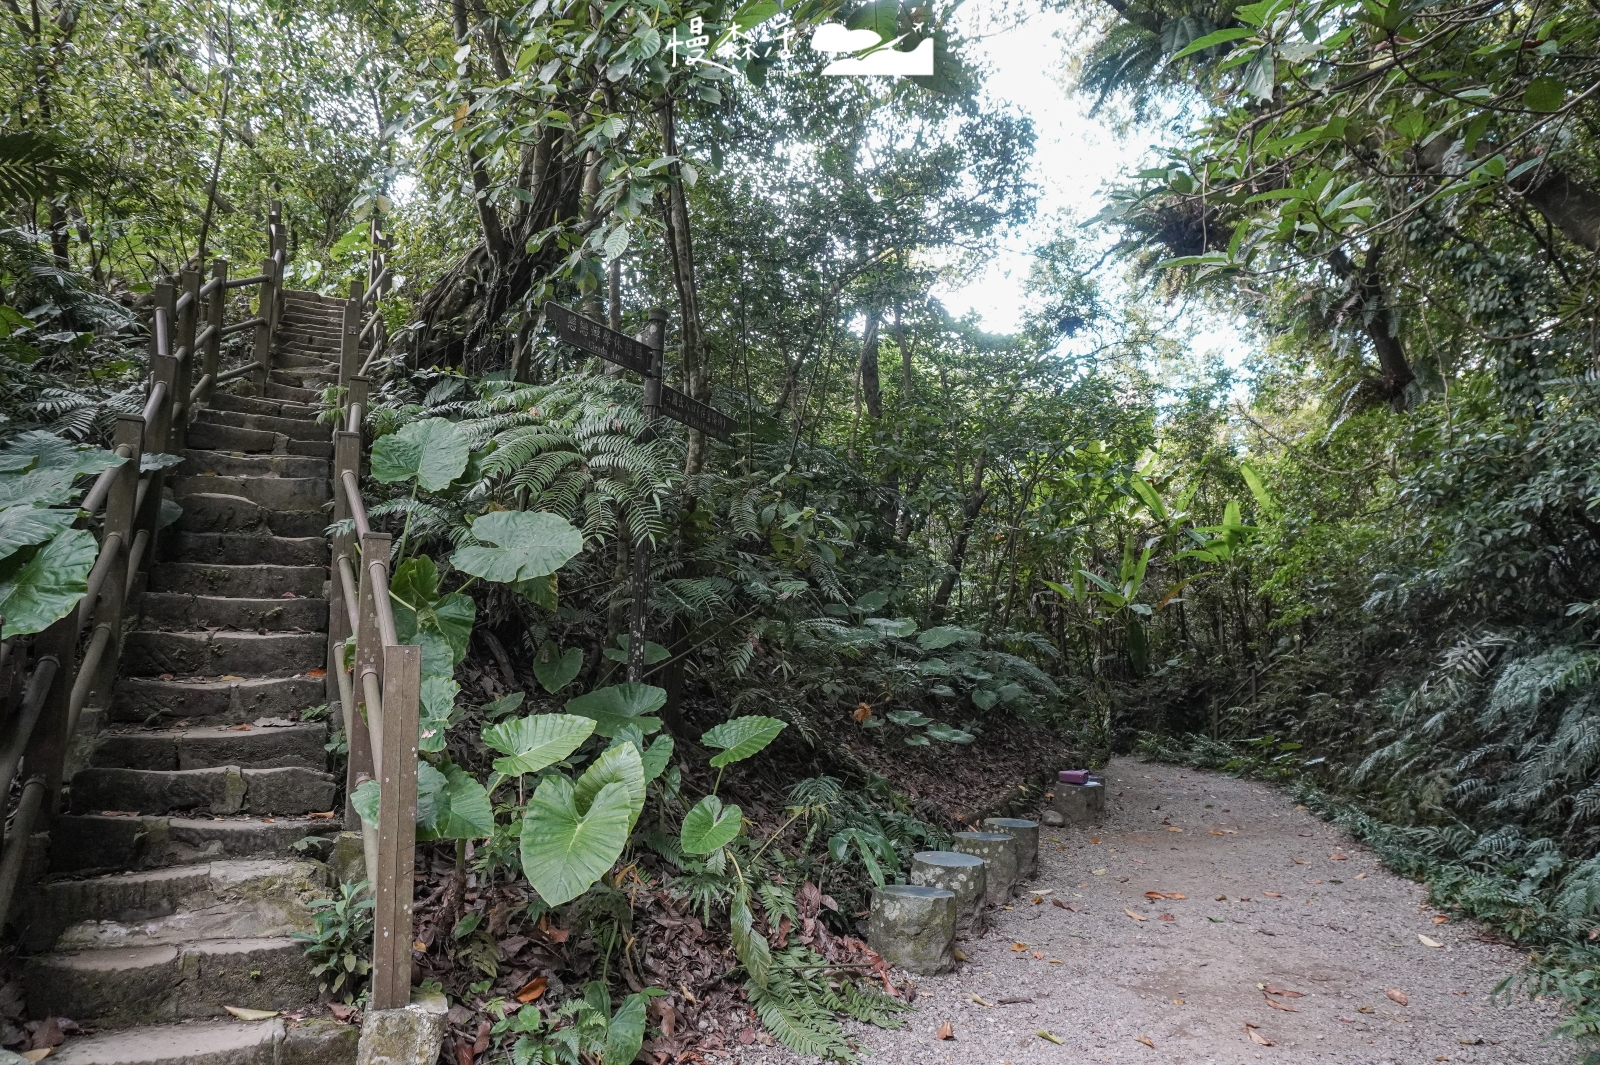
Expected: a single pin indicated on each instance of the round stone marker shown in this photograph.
(914, 927)
(999, 856)
(1081, 804)
(956, 872)
(1026, 837)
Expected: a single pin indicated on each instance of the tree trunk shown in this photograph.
(691, 329)
(958, 549)
(871, 388)
(1371, 304)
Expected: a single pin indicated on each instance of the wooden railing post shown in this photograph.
(45, 756)
(216, 308)
(346, 456)
(117, 534)
(350, 335)
(163, 368)
(188, 320)
(369, 661)
(266, 304)
(397, 828)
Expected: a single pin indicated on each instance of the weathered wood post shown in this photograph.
(266, 300)
(188, 323)
(397, 828)
(216, 308)
(639, 618)
(960, 874)
(1025, 836)
(914, 927)
(999, 861)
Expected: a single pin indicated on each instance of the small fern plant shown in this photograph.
(340, 942)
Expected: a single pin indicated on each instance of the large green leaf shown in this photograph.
(39, 585)
(619, 706)
(618, 764)
(50, 452)
(420, 609)
(438, 701)
(433, 452)
(740, 738)
(462, 807)
(710, 826)
(518, 545)
(47, 487)
(23, 526)
(656, 757)
(625, 1031)
(533, 743)
(943, 636)
(565, 852)
(555, 670)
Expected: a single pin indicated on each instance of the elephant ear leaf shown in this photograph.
(710, 826)
(565, 852)
(616, 707)
(619, 764)
(742, 737)
(516, 545)
(533, 743)
(38, 586)
(656, 758)
(555, 670)
(461, 807)
(438, 698)
(433, 452)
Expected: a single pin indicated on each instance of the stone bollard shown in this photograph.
(999, 861)
(1026, 837)
(960, 873)
(914, 927)
(410, 1035)
(1081, 804)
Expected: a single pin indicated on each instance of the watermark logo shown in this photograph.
(873, 54)
(861, 53)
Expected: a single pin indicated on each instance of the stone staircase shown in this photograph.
(175, 877)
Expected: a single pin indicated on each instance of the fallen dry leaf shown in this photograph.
(1339, 857)
(960, 955)
(1135, 916)
(1284, 991)
(532, 989)
(1174, 828)
(1221, 898)
(1218, 832)
(1297, 861)
(1099, 872)
(1055, 961)
(1299, 807)
(1166, 917)
(321, 814)
(1429, 941)
(1073, 906)
(1038, 955)
(1365, 1009)
(1361, 876)
(1394, 994)
(1019, 946)
(250, 1015)
(1145, 1040)
(1154, 895)
(1056, 1039)
(1275, 1004)
(1272, 894)
(1096, 839)
(980, 1000)
(945, 1031)
(1176, 895)
(37, 1055)
(1439, 918)
(1256, 1037)
(318, 672)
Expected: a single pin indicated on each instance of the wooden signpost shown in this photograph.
(643, 357)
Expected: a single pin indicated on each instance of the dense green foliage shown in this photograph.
(1372, 565)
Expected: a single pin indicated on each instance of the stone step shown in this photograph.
(141, 985)
(244, 582)
(309, 337)
(242, 464)
(231, 899)
(85, 843)
(246, 746)
(174, 610)
(289, 392)
(147, 653)
(320, 448)
(219, 791)
(216, 512)
(276, 408)
(274, 493)
(224, 700)
(293, 428)
(245, 549)
(291, 361)
(305, 378)
(321, 1041)
(214, 436)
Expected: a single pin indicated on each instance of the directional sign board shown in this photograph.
(597, 339)
(696, 415)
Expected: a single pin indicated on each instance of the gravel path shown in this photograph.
(1267, 902)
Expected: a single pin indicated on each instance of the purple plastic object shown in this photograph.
(1073, 776)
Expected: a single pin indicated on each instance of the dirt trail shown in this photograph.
(1342, 932)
